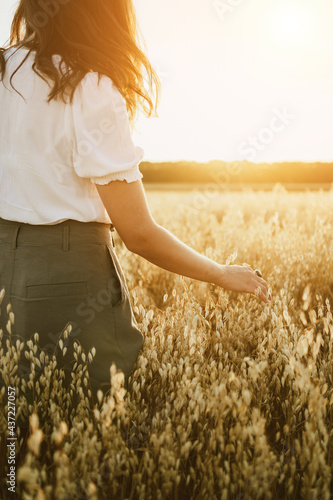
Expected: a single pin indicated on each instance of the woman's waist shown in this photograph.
(68, 232)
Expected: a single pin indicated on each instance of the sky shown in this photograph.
(241, 79)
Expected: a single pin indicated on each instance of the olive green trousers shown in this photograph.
(68, 273)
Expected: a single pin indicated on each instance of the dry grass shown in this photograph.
(230, 399)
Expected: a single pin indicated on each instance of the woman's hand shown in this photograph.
(243, 279)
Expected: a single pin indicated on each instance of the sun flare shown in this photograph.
(291, 24)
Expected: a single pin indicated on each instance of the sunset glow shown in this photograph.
(227, 69)
(292, 24)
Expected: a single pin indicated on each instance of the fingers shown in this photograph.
(263, 283)
(261, 291)
(260, 282)
(263, 296)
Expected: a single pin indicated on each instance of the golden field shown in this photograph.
(229, 399)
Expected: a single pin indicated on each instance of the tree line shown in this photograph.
(237, 172)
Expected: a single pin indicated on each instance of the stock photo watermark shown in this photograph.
(225, 7)
(201, 198)
(87, 310)
(48, 10)
(249, 148)
(254, 144)
(92, 138)
(85, 147)
(163, 75)
(11, 439)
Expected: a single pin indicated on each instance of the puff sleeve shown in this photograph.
(103, 148)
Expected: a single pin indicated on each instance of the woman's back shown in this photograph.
(49, 151)
(32, 138)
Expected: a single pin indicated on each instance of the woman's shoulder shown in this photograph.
(95, 81)
(99, 87)
(14, 52)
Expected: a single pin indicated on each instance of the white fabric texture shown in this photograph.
(52, 155)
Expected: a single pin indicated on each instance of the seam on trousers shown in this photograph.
(65, 238)
(14, 242)
(13, 255)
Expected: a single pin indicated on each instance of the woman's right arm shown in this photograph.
(128, 209)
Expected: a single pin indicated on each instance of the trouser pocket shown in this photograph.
(119, 280)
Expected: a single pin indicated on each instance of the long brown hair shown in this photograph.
(89, 35)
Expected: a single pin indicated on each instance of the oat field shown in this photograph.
(229, 398)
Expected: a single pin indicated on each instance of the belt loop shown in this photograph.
(65, 238)
(14, 243)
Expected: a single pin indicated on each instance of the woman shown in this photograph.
(72, 80)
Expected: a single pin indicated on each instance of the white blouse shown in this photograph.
(52, 155)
